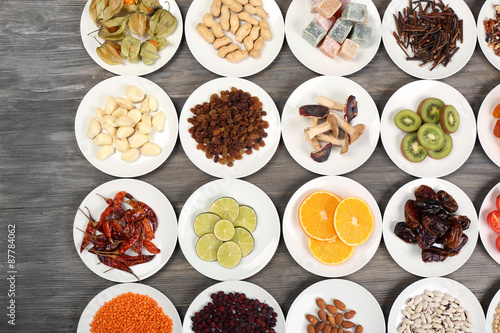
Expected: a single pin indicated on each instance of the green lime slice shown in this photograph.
(244, 239)
(227, 208)
(207, 246)
(229, 254)
(204, 223)
(247, 218)
(224, 230)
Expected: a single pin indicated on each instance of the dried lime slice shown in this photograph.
(207, 246)
(204, 223)
(229, 254)
(224, 230)
(244, 239)
(247, 218)
(227, 208)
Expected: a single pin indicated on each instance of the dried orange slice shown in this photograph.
(316, 214)
(332, 252)
(353, 221)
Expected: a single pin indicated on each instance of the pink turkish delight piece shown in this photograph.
(325, 23)
(314, 3)
(349, 50)
(330, 47)
(338, 13)
(327, 8)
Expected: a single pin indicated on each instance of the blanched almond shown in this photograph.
(124, 132)
(147, 119)
(105, 151)
(150, 149)
(94, 128)
(119, 112)
(143, 128)
(110, 105)
(144, 107)
(134, 94)
(111, 130)
(122, 145)
(153, 103)
(102, 139)
(109, 120)
(124, 121)
(124, 103)
(130, 155)
(99, 114)
(135, 114)
(138, 140)
(159, 121)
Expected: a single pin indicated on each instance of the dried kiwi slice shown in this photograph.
(407, 120)
(429, 108)
(449, 119)
(430, 136)
(411, 149)
(445, 150)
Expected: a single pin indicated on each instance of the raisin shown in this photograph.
(447, 201)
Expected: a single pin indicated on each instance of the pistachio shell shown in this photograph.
(119, 112)
(122, 145)
(99, 114)
(105, 151)
(144, 107)
(153, 103)
(110, 129)
(159, 121)
(110, 105)
(134, 94)
(124, 121)
(146, 118)
(124, 132)
(136, 115)
(143, 128)
(124, 103)
(109, 120)
(130, 155)
(103, 139)
(138, 140)
(150, 149)
(94, 128)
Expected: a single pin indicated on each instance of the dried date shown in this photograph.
(426, 192)
(435, 225)
(462, 219)
(453, 236)
(412, 215)
(427, 206)
(434, 254)
(447, 201)
(425, 239)
(405, 233)
(456, 250)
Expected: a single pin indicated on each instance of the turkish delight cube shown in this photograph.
(313, 33)
(338, 13)
(354, 12)
(328, 7)
(348, 50)
(325, 23)
(330, 47)
(340, 30)
(314, 3)
(361, 34)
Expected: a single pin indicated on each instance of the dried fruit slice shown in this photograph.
(244, 239)
(316, 215)
(353, 221)
(332, 252)
(224, 230)
(207, 246)
(227, 208)
(247, 218)
(229, 254)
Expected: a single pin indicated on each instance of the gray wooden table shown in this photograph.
(45, 72)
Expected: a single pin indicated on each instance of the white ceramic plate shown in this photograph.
(251, 290)
(249, 163)
(490, 314)
(487, 12)
(108, 294)
(293, 125)
(444, 285)
(354, 296)
(409, 256)
(90, 43)
(457, 62)
(296, 238)
(297, 19)
(166, 234)
(409, 97)
(266, 234)
(488, 236)
(113, 165)
(207, 56)
(486, 123)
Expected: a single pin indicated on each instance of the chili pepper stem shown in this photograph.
(87, 216)
(129, 272)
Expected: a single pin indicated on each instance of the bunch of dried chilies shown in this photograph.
(123, 23)
(431, 30)
(121, 229)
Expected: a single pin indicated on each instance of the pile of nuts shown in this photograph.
(236, 17)
(496, 320)
(435, 312)
(332, 318)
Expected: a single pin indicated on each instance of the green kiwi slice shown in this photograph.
(449, 119)
(429, 108)
(445, 150)
(430, 136)
(411, 149)
(407, 120)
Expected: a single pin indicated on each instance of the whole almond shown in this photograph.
(349, 314)
(322, 315)
(341, 330)
(331, 308)
(312, 319)
(338, 319)
(321, 303)
(327, 329)
(310, 329)
(334, 329)
(359, 329)
(319, 327)
(339, 304)
(331, 319)
(348, 324)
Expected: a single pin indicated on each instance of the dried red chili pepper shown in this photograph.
(89, 231)
(151, 247)
(127, 243)
(133, 215)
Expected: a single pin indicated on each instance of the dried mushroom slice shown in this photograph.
(138, 23)
(162, 23)
(130, 48)
(109, 52)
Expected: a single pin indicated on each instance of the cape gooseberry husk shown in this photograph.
(109, 52)
(162, 23)
(148, 53)
(113, 29)
(130, 48)
(149, 7)
(112, 7)
(138, 23)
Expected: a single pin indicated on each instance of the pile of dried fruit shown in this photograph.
(234, 313)
(492, 29)
(430, 222)
(496, 114)
(229, 126)
(119, 20)
(334, 130)
(332, 318)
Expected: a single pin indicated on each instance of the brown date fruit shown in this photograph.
(456, 250)
(427, 206)
(453, 236)
(462, 219)
(434, 254)
(447, 201)
(425, 239)
(405, 233)
(443, 215)
(426, 192)
(412, 215)
(435, 225)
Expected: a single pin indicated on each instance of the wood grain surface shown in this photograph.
(45, 72)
